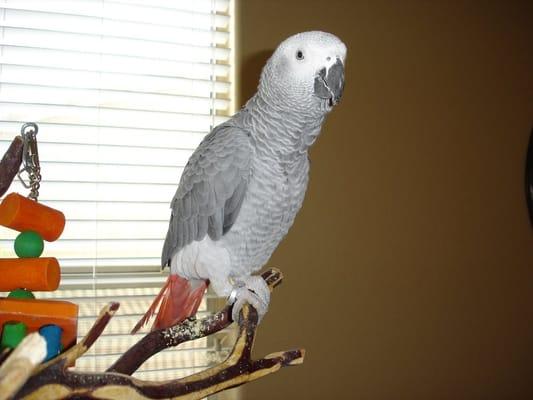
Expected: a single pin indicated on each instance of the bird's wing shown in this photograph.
(211, 189)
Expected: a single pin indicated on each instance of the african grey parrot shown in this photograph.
(242, 187)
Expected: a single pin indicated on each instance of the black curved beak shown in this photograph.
(329, 83)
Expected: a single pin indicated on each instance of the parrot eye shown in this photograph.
(299, 55)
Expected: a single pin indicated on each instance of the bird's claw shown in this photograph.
(252, 290)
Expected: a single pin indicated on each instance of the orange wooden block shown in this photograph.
(36, 313)
(22, 214)
(29, 273)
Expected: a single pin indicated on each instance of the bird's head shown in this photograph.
(306, 70)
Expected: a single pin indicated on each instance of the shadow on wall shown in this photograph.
(250, 72)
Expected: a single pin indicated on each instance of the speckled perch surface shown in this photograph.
(54, 380)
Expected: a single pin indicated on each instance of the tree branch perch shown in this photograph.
(10, 164)
(54, 380)
(188, 330)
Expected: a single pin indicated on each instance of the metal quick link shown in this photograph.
(30, 159)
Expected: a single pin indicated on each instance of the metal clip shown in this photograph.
(30, 159)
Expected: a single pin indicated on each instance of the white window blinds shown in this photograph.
(122, 91)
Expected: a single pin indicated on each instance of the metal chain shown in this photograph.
(30, 159)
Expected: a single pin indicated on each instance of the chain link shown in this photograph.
(30, 159)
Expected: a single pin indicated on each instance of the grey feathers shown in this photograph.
(211, 189)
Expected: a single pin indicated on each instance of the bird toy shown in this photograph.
(20, 312)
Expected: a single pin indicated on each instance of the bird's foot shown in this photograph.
(252, 290)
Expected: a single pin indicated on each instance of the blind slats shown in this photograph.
(206, 6)
(106, 192)
(119, 100)
(103, 230)
(82, 43)
(95, 26)
(109, 155)
(90, 173)
(95, 116)
(93, 80)
(123, 91)
(134, 264)
(141, 12)
(115, 211)
(80, 61)
(134, 137)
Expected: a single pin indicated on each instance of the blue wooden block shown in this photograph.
(52, 335)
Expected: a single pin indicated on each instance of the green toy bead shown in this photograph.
(12, 334)
(21, 294)
(29, 244)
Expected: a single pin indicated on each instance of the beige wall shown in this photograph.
(409, 270)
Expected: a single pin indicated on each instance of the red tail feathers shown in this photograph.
(178, 299)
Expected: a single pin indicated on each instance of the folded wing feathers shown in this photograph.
(211, 190)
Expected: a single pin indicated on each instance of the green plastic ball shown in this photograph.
(29, 244)
(21, 294)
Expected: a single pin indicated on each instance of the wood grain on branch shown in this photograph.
(18, 367)
(54, 380)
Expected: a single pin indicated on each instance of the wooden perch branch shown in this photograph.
(54, 380)
(188, 330)
(20, 364)
(10, 164)
(68, 357)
